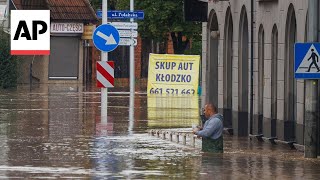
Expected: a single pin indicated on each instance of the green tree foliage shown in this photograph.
(97, 4)
(162, 18)
(8, 63)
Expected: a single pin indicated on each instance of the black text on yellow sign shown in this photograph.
(173, 74)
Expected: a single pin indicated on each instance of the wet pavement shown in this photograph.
(56, 132)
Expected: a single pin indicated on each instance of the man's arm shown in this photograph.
(209, 129)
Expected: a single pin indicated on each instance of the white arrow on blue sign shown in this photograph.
(106, 38)
(306, 61)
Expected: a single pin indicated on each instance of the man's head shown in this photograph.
(312, 50)
(209, 110)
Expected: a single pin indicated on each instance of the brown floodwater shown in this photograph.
(56, 132)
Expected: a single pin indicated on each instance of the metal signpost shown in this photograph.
(128, 37)
(132, 74)
(311, 94)
(106, 38)
(306, 67)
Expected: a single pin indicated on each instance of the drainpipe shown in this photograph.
(30, 72)
(310, 133)
(30, 75)
(251, 74)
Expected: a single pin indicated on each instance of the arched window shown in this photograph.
(290, 87)
(243, 72)
(274, 79)
(227, 69)
(260, 78)
(212, 59)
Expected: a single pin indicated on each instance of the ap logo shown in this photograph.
(30, 32)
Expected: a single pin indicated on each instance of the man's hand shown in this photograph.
(194, 130)
(200, 128)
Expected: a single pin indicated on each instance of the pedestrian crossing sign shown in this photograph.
(306, 61)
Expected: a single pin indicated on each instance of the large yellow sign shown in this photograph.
(171, 74)
(173, 111)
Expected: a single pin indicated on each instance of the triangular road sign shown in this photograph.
(308, 61)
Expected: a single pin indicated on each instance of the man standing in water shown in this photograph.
(314, 56)
(211, 133)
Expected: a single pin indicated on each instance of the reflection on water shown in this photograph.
(56, 132)
(172, 111)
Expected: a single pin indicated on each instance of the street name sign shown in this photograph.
(128, 33)
(106, 38)
(122, 14)
(124, 25)
(125, 14)
(127, 42)
(306, 61)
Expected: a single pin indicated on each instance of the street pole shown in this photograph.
(251, 72)
(310, 133)
(131, 114)
(132, 78)
(104, 57)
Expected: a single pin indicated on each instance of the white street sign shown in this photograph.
(124, 25)
(127, 42)
(66, 27)
(128, 33)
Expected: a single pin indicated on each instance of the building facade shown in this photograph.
(278, 98)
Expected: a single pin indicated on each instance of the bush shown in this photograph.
(195, 49)
(8, 63)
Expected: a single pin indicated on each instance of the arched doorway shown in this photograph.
(290, 88)
(258, 123)
(227, 70)
(274, 80)
(212, 65)
(243, 72)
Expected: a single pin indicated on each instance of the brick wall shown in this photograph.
(170, 45)
(137, 58)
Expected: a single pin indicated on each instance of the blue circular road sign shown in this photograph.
(106, 37)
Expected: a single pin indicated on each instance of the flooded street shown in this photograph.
(56, 132)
